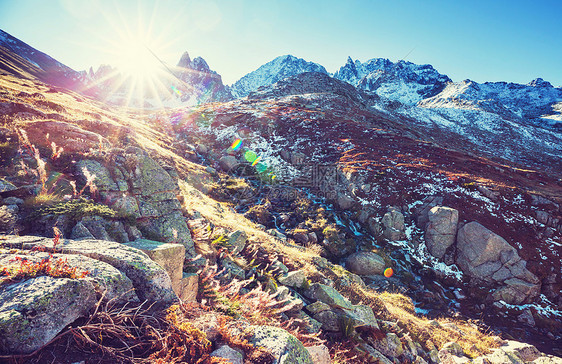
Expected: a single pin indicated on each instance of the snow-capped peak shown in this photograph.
(273, 71)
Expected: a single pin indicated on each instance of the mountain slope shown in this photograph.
(19, 58)
(273, 71)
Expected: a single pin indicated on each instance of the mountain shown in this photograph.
(273, 71)
(19, 58)
(200, 83)
(402, 81)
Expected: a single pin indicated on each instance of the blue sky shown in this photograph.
(495, 40)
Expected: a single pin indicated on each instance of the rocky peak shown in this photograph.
(185, 60)
(199, 64)
(273, 71)
(539, 82)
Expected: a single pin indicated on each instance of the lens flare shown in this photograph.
(256, 161)
(250, 156)
(388, 272)
(236, 145)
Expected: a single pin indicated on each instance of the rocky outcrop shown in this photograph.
(486, 256)
(139, 188)
(441, 230)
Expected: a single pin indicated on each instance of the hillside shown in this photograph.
(309, 222)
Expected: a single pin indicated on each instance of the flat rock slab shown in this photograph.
(34, 311)
(150, 281)
(286, 348)
(169, 256)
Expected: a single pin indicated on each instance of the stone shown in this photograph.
(453, 348)
(228, 353)
(228, 162)
(320, 354)
(329, 319)
(375, 354)
(295, 279)
(233, 268)
(365, 263)
(151, 282)
(237, 241)
(441, 230)
(328, 295)
(8, 219)
(188, 287)
(13, 201)
(344, 202)
(527, 318)
(79, 231)
(168, 256)
(6, 186)
(96, 226)
(516, 291)
(393, 225)
(286, 348)
(361, 315)
(310, 325)
(526, 352)
(394, 345)
(316, 307)
(34, 311)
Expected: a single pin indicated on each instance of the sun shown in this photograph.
(134, 59)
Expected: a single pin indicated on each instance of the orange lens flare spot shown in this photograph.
(388, 272)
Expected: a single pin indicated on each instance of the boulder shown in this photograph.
(6, 186)
(441, 230)
(237, 241)
(228, 353)
(228, 162)
(80, 231)
(151, 282)
(295, 279)
(393, 225)
(34, 311)
(319, 354)
(486, 256)
(365, 263)
(328, 295)
(286, 348)
(188, 287)
(168, 256)
(516, 291)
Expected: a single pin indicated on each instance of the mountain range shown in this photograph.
(383, 213)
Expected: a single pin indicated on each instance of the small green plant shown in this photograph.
(77, 209)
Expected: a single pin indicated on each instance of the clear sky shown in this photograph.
(488, 40)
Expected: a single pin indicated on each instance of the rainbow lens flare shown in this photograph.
(388, 272)
(256, 161)
(236, 145)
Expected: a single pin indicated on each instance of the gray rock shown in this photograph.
(328, 295)
(527, 318)
(237, 241)
(516, 291)
(286, 348)
(96, 226)
(365, 263)
(330, 320)
(8, 219)
(319, 354)
(151, 282)
(228, 162)
(34, 311)
(79, 231)
(441, 230)
(361, 315)
(316, 307)
(6, 186)
(453, 348)
(393, 225)
(228, 353)
(13, 201)
(295, 279)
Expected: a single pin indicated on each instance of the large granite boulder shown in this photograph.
(365, 263)
(486, 256)
(34, 311)
(441, 230)
(393, 225)
(151, 282)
